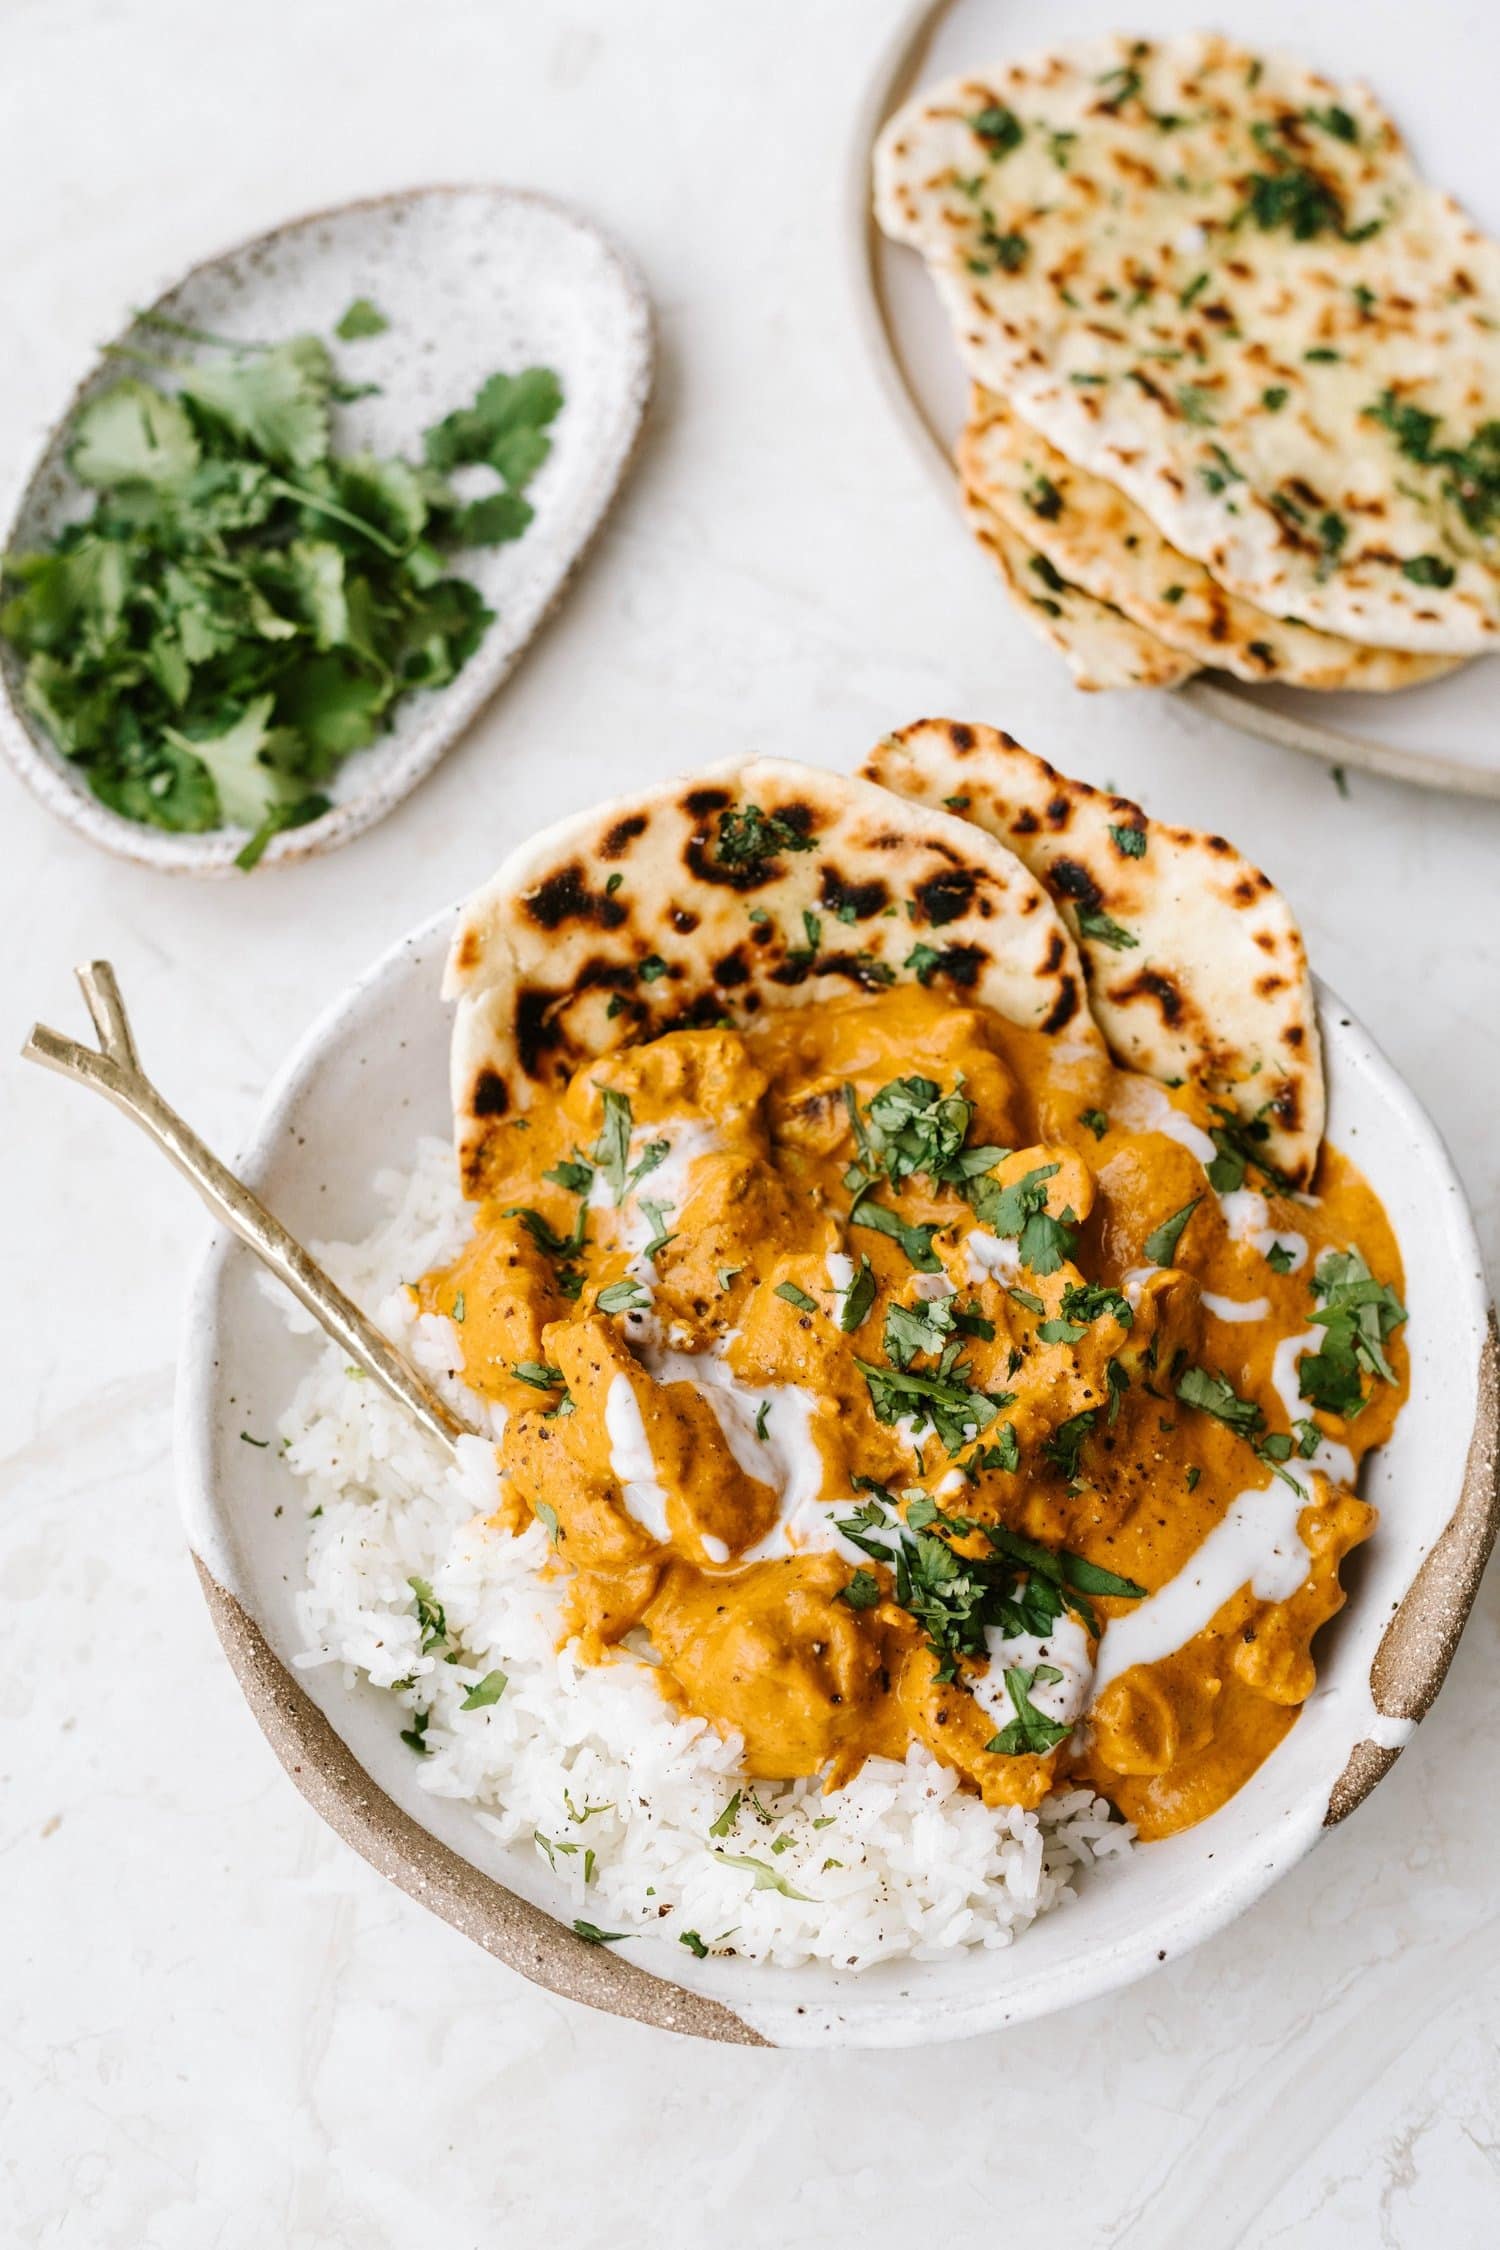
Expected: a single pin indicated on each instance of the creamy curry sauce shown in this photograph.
(728, 1399)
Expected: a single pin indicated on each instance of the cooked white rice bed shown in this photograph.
(902, 1862)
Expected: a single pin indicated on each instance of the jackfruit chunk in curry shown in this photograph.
(889, 1374)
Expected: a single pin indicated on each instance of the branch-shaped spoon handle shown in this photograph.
(114, 1070)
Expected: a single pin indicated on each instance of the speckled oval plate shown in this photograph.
(1440, 735)
(470, 279)
(366, 1081)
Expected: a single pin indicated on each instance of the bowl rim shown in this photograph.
(1408, 1668)
(895, 75)
(50, 777)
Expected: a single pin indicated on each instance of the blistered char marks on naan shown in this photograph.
(1097, 540)
(1216, 280)
(1196, 968)
(1101, 648)
(758, 884)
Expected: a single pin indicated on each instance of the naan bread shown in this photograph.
(1195, 966)
(1098, 540)
(1215, 279)
(1101, 648)
(756, 884)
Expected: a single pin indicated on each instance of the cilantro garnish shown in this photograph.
(1094, 923)
(611, 1152)
(415, 1736)
(694, 1944)
(1357, 1313)
(592, 1935)
(999, 128)
(916, 1241)
(1065, 1445)
(1030, 1732)
(430, 1614)
(748, 837)
(857, 1299)
(1213, 1394)
(789, 1291)
(943, 1397)
(576, 1177)
(484, 1692)
(1240, 1143)
(246, 604)
(1019, 1210)
(623, 1296)
(862, 1591)
(1470, 473)
(1161, 1243)
(1130, 841)
(766, 1876)
(1279, 1258)
(360, 319)
(1044, 499)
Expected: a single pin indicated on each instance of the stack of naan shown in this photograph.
(1236, 366)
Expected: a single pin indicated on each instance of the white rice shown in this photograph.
(587, 1765)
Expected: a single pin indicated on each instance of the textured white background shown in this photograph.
(218, 2031)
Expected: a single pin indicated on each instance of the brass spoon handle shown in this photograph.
(113, 1069)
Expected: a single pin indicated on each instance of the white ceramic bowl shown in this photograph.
(369, 1077)
(471, 279)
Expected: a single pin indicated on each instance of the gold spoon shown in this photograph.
(114, 1070)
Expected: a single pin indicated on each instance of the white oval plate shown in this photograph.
(370, 1077)
(471, 280)
(1440, 735)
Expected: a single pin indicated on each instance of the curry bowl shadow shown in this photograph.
(369, 1078)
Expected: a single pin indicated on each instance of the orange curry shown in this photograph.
(889, 1375)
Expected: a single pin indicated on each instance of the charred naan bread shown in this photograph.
(1216, 280)
(1100, 542)
(1195, 966)
(1101, 647)
(757, 884)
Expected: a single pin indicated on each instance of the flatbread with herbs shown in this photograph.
(755, 884)
(1215, 279)
(1101, 647)
(1098, 540)
(1195, 965)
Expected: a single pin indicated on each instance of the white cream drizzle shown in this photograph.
(1065, 1647)
(989, 1256)
(631, 1459)
(1235, 1308)
(1246, 1213)
(1256, 1543)
(1144, 1108)
(667, 1183)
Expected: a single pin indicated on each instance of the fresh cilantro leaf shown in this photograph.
(1279, 1258)
(592, 1935)
(792, 1295)
(694, 1944)
(766, 1877)
(1030, 1732)
(916, 1240)
(1064, 1447)
(862, 1591)
(573, 1175)
(623, 1296)
(857, 1299)
(1094, 923)
(1357, 1313)
(485, 1692)
(749, 838)
(359, 320)
(1212, 1394)
(415, 1735)
(133, 433)
(1096, 1121)
(1161, 1243)
(611, 1152)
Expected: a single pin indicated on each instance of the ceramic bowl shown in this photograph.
(471, 279)
(372, 1075)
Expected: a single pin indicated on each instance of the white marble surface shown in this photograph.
(219, 2029)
